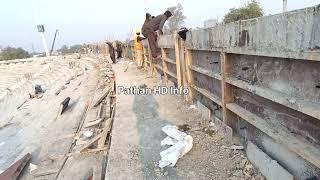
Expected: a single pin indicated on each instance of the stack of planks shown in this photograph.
(105, 105)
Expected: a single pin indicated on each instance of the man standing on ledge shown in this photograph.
(150, 31)
(111, 52)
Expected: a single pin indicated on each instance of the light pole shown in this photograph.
(284, 6)
(40, 28)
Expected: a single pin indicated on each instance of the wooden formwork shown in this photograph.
(260, 80)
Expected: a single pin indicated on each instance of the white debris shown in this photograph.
(192, 106)
(88, 134)
(173, 132)
(234, 147)
(33, 168)
(181, 144)
(168, 141)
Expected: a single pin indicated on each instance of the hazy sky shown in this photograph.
(84, 21)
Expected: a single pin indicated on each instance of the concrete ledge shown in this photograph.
(166, 41)
(289, 35)
(267, 166)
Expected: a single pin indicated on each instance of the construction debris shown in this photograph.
(88, 134)
(63, 105)
(33, 168)
(38, 89)
(181, 144)
(104, 95)
(93, 123)
(13, 172)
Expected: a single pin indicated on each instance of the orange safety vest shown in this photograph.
(137, 45)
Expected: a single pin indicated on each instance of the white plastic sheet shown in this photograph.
(181, 144)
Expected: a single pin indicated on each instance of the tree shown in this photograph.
(176, 21)
(72, 49)
(250, 10)
(10, 53)
(64, 49)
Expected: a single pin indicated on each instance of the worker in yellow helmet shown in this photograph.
(138, 48)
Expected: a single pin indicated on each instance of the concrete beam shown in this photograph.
(166, 41)
(267, 166)
(293, 34)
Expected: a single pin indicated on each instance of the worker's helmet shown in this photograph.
(138, 31)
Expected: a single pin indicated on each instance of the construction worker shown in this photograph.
(150, 32)
(138, 48)
(111, 52)
(119, 49)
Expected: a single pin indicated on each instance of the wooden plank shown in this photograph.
(300, 146)
(208, 94)
(106, 130)
(13, 172)
(91, 142)
(183, 64)
(205, 72)
(93, 123)
(164, 64)
(306, 107)
(177, 61)
(106, 92)
(227, 90)
(189, 74)
(100, 110)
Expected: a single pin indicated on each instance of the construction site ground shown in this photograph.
(57, 143)
(136, 136)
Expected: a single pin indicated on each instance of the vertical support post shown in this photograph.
(227, 89)
(164, 64)
(177, 53)
(189, 74)
(183, 64)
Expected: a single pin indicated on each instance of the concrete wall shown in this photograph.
(293, 34)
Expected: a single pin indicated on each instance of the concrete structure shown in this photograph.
(261, 78)
(210, 23)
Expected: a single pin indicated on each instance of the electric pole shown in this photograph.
(40, 27)
(284, 6)
(54, 40)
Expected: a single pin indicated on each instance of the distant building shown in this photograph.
(210, 23)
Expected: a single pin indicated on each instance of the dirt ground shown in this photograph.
(136, 136)
(34, 127)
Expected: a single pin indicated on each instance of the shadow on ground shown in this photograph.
(149, 126)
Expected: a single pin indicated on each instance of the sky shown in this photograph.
(87, 21)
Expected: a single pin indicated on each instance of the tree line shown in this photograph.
(251, 9)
